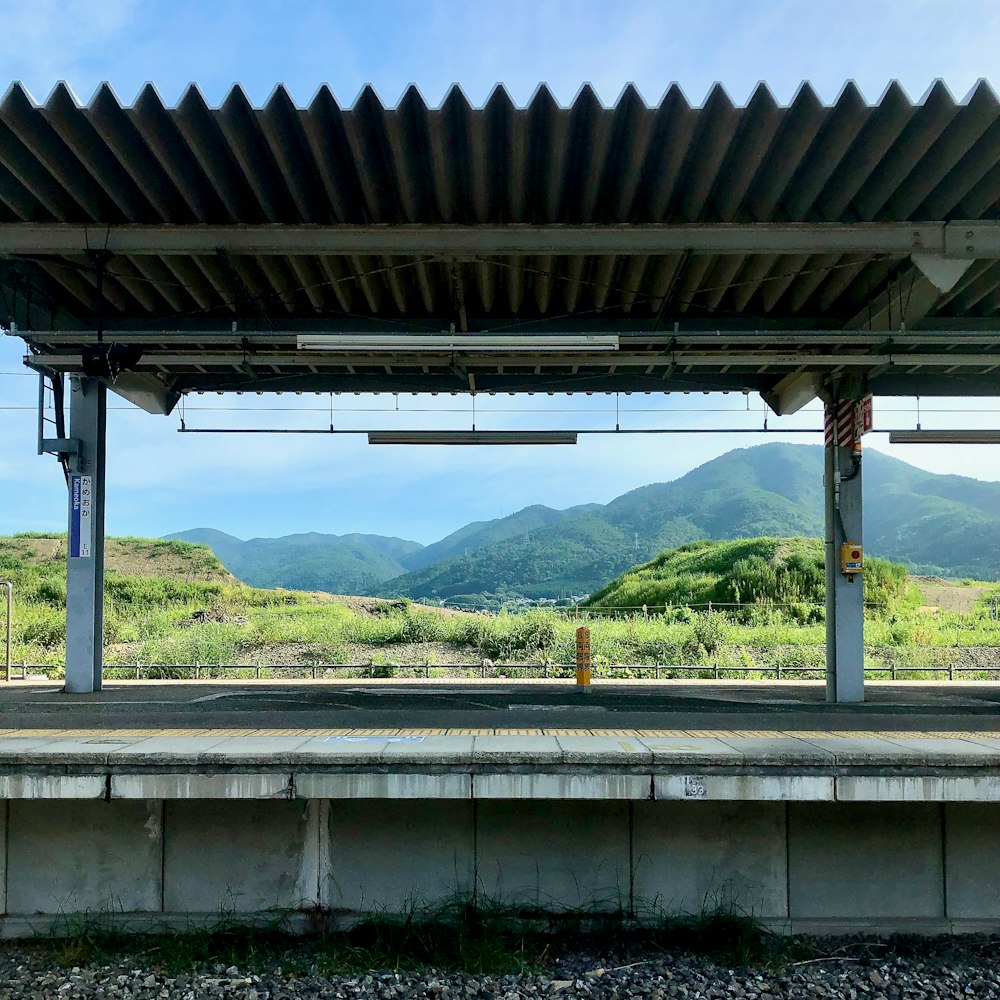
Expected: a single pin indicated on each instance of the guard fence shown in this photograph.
(508, 671)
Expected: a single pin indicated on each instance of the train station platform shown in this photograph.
(164, 804)
(523, 707)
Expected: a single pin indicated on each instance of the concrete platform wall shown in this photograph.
(797, 865)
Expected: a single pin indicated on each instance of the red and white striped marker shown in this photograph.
(846, 423)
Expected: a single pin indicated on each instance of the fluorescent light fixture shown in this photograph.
(472, 437)
(449, 343)
(944, 437)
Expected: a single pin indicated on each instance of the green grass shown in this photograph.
(460, 935)
(150, 616)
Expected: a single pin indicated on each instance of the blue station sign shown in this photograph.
(81, 530)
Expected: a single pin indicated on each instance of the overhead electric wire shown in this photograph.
(509, 409)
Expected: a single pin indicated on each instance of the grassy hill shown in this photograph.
(757, 571)
(172, 603)
(38, 555)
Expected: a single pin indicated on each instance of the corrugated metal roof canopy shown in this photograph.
(95, 173)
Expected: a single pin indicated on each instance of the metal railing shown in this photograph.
(508, 671)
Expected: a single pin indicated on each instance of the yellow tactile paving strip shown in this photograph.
(93, 734)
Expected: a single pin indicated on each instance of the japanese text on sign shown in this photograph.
(81, 531)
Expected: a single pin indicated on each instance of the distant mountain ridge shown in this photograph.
(479, 534)
(946, 525)
(340, 564)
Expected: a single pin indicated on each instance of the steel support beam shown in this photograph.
(820, 338)
(923, 288)
(69, 362)
(85, 545)
(146, 391)
(845, 607)
(967, 240)
(792, 392)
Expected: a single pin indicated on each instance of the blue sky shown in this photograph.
(160, 481)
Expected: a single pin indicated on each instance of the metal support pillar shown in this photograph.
(845, 604)
(85, 548)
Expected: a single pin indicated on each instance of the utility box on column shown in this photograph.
(852, 559)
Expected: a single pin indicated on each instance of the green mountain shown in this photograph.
(480, 534)
(943, 525)
(340, 564)
(562, 560)
(947, 525)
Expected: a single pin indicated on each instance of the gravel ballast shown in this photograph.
(927, 969)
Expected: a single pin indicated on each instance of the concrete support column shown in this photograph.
(845, 607)
(85, 549)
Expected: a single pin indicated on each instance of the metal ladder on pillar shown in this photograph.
(52, 438)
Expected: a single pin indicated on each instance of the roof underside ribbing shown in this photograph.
(499, 164)
(110, 167)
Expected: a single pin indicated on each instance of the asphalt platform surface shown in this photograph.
(524, 708)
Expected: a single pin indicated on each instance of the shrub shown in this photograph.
(53, 591)
(420, 626)
(40, 626)
(709, 631)
(10, 563)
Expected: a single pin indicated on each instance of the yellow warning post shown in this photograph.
(583, 656)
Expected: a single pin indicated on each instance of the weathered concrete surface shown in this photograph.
(708, 751)
(28, 785)
(382, 785)
(745, 787)
(83, 856)
(241, 856)
(918, 788)
(510, 785)
(573, 854)
(952, 752)
(453, 750)
(861, 750)
(689, 856)
(850, 866)
(615, 751)
(972, 860)
(231, 785)
(390, 855)
(725, 765)
(522, 750)
(861, 861)
(785, 750)
(883, 829)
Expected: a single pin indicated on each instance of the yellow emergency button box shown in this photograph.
(852, 558)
